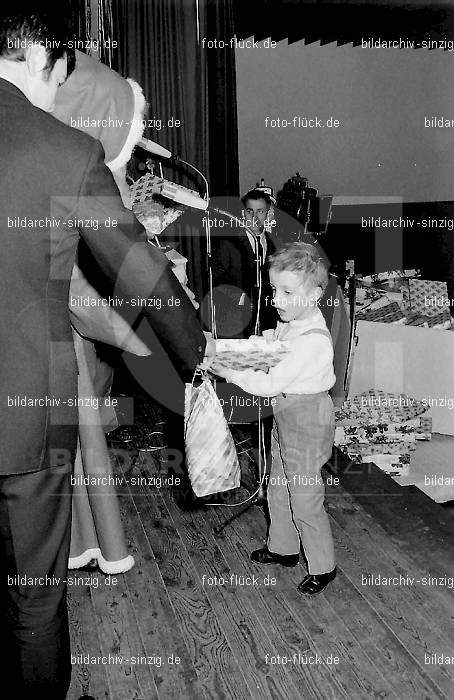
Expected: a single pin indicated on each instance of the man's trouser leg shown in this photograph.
(35, 526)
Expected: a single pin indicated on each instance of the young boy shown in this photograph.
(303, 427)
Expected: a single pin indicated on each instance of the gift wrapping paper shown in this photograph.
(379, 434)
(391, 313)
(376, 406)
(414, 319)
(428, 297)
(394, 465)
(424, 432)
(414, 302)
(440, 320)
(390, 275)
(363, 432)
(391, 448)
(406, 306)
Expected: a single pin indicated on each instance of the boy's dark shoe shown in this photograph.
(264, 556)
(315, 583)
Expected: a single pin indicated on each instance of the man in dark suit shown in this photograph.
(54, 190)
(241, 290)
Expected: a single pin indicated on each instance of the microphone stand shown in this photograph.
(258, 497)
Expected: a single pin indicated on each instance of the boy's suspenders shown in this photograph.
(321, 331)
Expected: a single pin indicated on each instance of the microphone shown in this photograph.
(170, 190)
(154, 148)
(181, 195)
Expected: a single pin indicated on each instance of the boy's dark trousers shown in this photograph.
(35, 526)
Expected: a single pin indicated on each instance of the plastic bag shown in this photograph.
(210, 451)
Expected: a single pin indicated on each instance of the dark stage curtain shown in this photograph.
(220, 19)
(79, 14)
(160, 46)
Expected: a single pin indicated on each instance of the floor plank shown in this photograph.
(218, 670)
(436, 602)
(157, 623)
(87, 678)
(222, 633)
(128, 668)
(291, 639)
(410, 518)
(355, 672)
(248, 639)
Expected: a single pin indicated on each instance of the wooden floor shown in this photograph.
(186, 622)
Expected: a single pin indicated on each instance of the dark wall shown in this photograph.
(422, 239)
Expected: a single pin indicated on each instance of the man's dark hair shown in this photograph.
(21, 27)
(256, 194)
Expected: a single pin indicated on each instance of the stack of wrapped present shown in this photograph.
(388, 313)
(426, 302)
(403, 300)
(383, 428)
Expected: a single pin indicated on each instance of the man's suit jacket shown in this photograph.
(234, 273)
(54, 190)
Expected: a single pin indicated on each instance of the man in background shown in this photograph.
(242, 294)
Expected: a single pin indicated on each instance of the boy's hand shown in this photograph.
(226, 374)
(210, 348)
(268, 335)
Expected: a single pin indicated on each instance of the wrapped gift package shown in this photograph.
(427, 297)
(377, 406)
(388, 298)
(365, 438)
(424, 432)
(255, 353)
(406, 306)
(393, 277)
(408, 431)
(405, 360)
(417, 320)
(390, 313)
(377, 433)
(373, 448)
(440, 321)
(154, 213)
(394, 465)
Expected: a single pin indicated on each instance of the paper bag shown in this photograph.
(210, 451)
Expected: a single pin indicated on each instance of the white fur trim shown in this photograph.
(136, 130)
(84, 558)
(107, 567)
(115, 567)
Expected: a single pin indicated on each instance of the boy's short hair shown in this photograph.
(301, 258)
